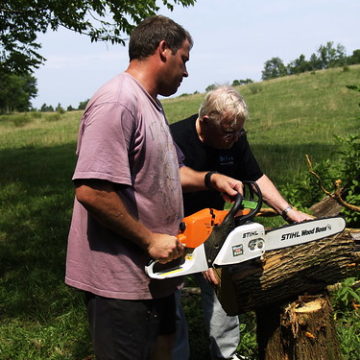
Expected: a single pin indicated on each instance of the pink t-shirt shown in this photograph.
(124, 138)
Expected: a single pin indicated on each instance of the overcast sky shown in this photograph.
(232, 40)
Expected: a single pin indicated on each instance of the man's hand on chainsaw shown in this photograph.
(294, 215)
(228, 186)
(211, 276)
(165, 248)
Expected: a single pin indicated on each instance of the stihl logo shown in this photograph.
(290, 235)
(249, 234)
(305, 232)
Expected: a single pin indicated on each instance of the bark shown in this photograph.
(284, 274)
(303, 330)
(326, 207)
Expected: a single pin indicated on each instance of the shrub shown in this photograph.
(255, 88)
(346, 300)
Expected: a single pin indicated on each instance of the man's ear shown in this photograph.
(163, 49)
(204, 120)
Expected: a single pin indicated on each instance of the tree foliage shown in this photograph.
(16, 92)
(299, 65)
(274, 68)
(354, 58)
(242, 82)
(331, 56)
(46, 108)
(82, 104)
(107, 20)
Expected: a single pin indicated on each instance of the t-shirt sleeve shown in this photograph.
(104, 140)
(180, 155)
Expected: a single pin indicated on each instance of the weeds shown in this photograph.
(346, 302)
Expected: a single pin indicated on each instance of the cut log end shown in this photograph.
(310, 307)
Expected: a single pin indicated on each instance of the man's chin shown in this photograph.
(169, 91)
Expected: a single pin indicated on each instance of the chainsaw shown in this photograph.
(218, 238)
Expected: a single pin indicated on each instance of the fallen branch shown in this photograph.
(338, 189)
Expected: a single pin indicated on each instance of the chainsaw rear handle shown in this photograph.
(238, 203)
(249, 186)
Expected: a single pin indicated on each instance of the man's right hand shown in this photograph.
(165, 248)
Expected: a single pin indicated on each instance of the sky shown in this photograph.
(232, 41)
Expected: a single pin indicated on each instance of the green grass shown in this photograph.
(41, 318)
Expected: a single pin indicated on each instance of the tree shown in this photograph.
(355, 57)
(241, 82)
(210, 87)
(246, 81)
(108, 20)
(330, 56)
(274, 68)
(59, 109)
(299, 65)
(46, 108)
(16, 92)
(82, 104)
(315, 62)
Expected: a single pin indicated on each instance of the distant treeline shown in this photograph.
(49, 108)
(17, 91)
(327, 56)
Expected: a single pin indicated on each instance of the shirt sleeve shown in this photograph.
(180, 155)
(104, 141)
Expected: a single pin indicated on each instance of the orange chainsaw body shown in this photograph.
(196, 228)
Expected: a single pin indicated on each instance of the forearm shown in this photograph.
(273, 198)
(192, 180)
(104, 204)
(271, 194)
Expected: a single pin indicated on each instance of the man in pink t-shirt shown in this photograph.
(128, 203)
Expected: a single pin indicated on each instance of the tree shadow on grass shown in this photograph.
(36, 196)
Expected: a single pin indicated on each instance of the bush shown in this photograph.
(255, 88)
(346, 300)
(53, 116)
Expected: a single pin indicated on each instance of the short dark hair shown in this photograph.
(146, 37)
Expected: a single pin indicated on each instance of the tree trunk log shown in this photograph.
(303, 330)
(284, 274)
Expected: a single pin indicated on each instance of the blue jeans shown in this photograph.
(223, 330)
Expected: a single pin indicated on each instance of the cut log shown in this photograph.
(284, 274)
(326, 207)
(303, 330)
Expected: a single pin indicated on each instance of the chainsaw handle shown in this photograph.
(236, 206)
(149, 270)
(250, 185)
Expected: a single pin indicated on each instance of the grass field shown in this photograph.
(41, 318)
